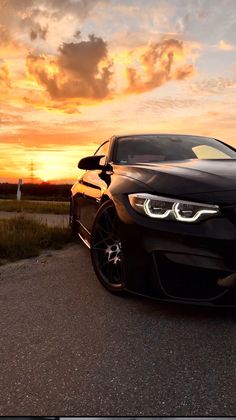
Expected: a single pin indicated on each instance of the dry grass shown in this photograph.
(55, 207)
(24, 238)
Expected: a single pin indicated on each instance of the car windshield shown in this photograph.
(159, 148)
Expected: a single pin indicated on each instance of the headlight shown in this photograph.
(171, 209)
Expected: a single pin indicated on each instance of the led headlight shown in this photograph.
(171, 209)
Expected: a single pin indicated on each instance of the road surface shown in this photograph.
(68, 347)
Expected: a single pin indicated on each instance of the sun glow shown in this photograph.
(53, 164)
(56, 164)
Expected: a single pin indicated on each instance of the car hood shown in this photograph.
(185, 178)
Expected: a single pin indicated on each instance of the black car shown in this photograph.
(158, 212)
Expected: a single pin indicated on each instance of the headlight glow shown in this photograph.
(157, 208)
(171, 209)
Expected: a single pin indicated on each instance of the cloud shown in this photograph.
(25, 13)
(83, 71)
(38, 32)
(77, 34)
(80, 8)
(212, 86)
(32, 21)
(167, 103)
(9, 47)
(225, 46)
(161, 62)
(10, 119)
(26, 8)
(4, 77)
(5, 37)
(80, 70)
(40, 102)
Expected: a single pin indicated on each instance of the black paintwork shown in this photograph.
(166, 259)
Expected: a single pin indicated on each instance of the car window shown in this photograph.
(159, 148)
(209, 152)
(103, 149)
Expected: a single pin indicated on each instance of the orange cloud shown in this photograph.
(225, 46)
(9, 47)
(83, 73)
(4, 77)
(81, 70)
(160, 63)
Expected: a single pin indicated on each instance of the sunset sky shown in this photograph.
(75, 72)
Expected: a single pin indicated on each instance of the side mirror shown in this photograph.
(90, 163)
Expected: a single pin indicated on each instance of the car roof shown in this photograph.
(158, 134)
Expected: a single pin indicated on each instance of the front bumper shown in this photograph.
(177, 261)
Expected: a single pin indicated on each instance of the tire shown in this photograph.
(106, 249)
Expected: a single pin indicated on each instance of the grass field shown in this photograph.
(55, 207)
(34, 197)
(24, 238)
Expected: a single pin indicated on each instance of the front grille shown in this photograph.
(187, 282)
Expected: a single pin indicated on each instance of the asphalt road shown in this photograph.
(68, 347)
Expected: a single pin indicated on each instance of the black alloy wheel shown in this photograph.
(106, 248)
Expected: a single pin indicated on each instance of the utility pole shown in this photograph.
(31, 172)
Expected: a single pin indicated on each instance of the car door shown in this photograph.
(93, 188)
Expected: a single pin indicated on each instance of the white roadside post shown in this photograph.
(18, 194)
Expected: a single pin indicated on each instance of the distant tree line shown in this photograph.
(44, 191)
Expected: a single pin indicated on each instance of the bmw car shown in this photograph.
(158, 213)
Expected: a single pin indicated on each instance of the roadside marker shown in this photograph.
(18, 194)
